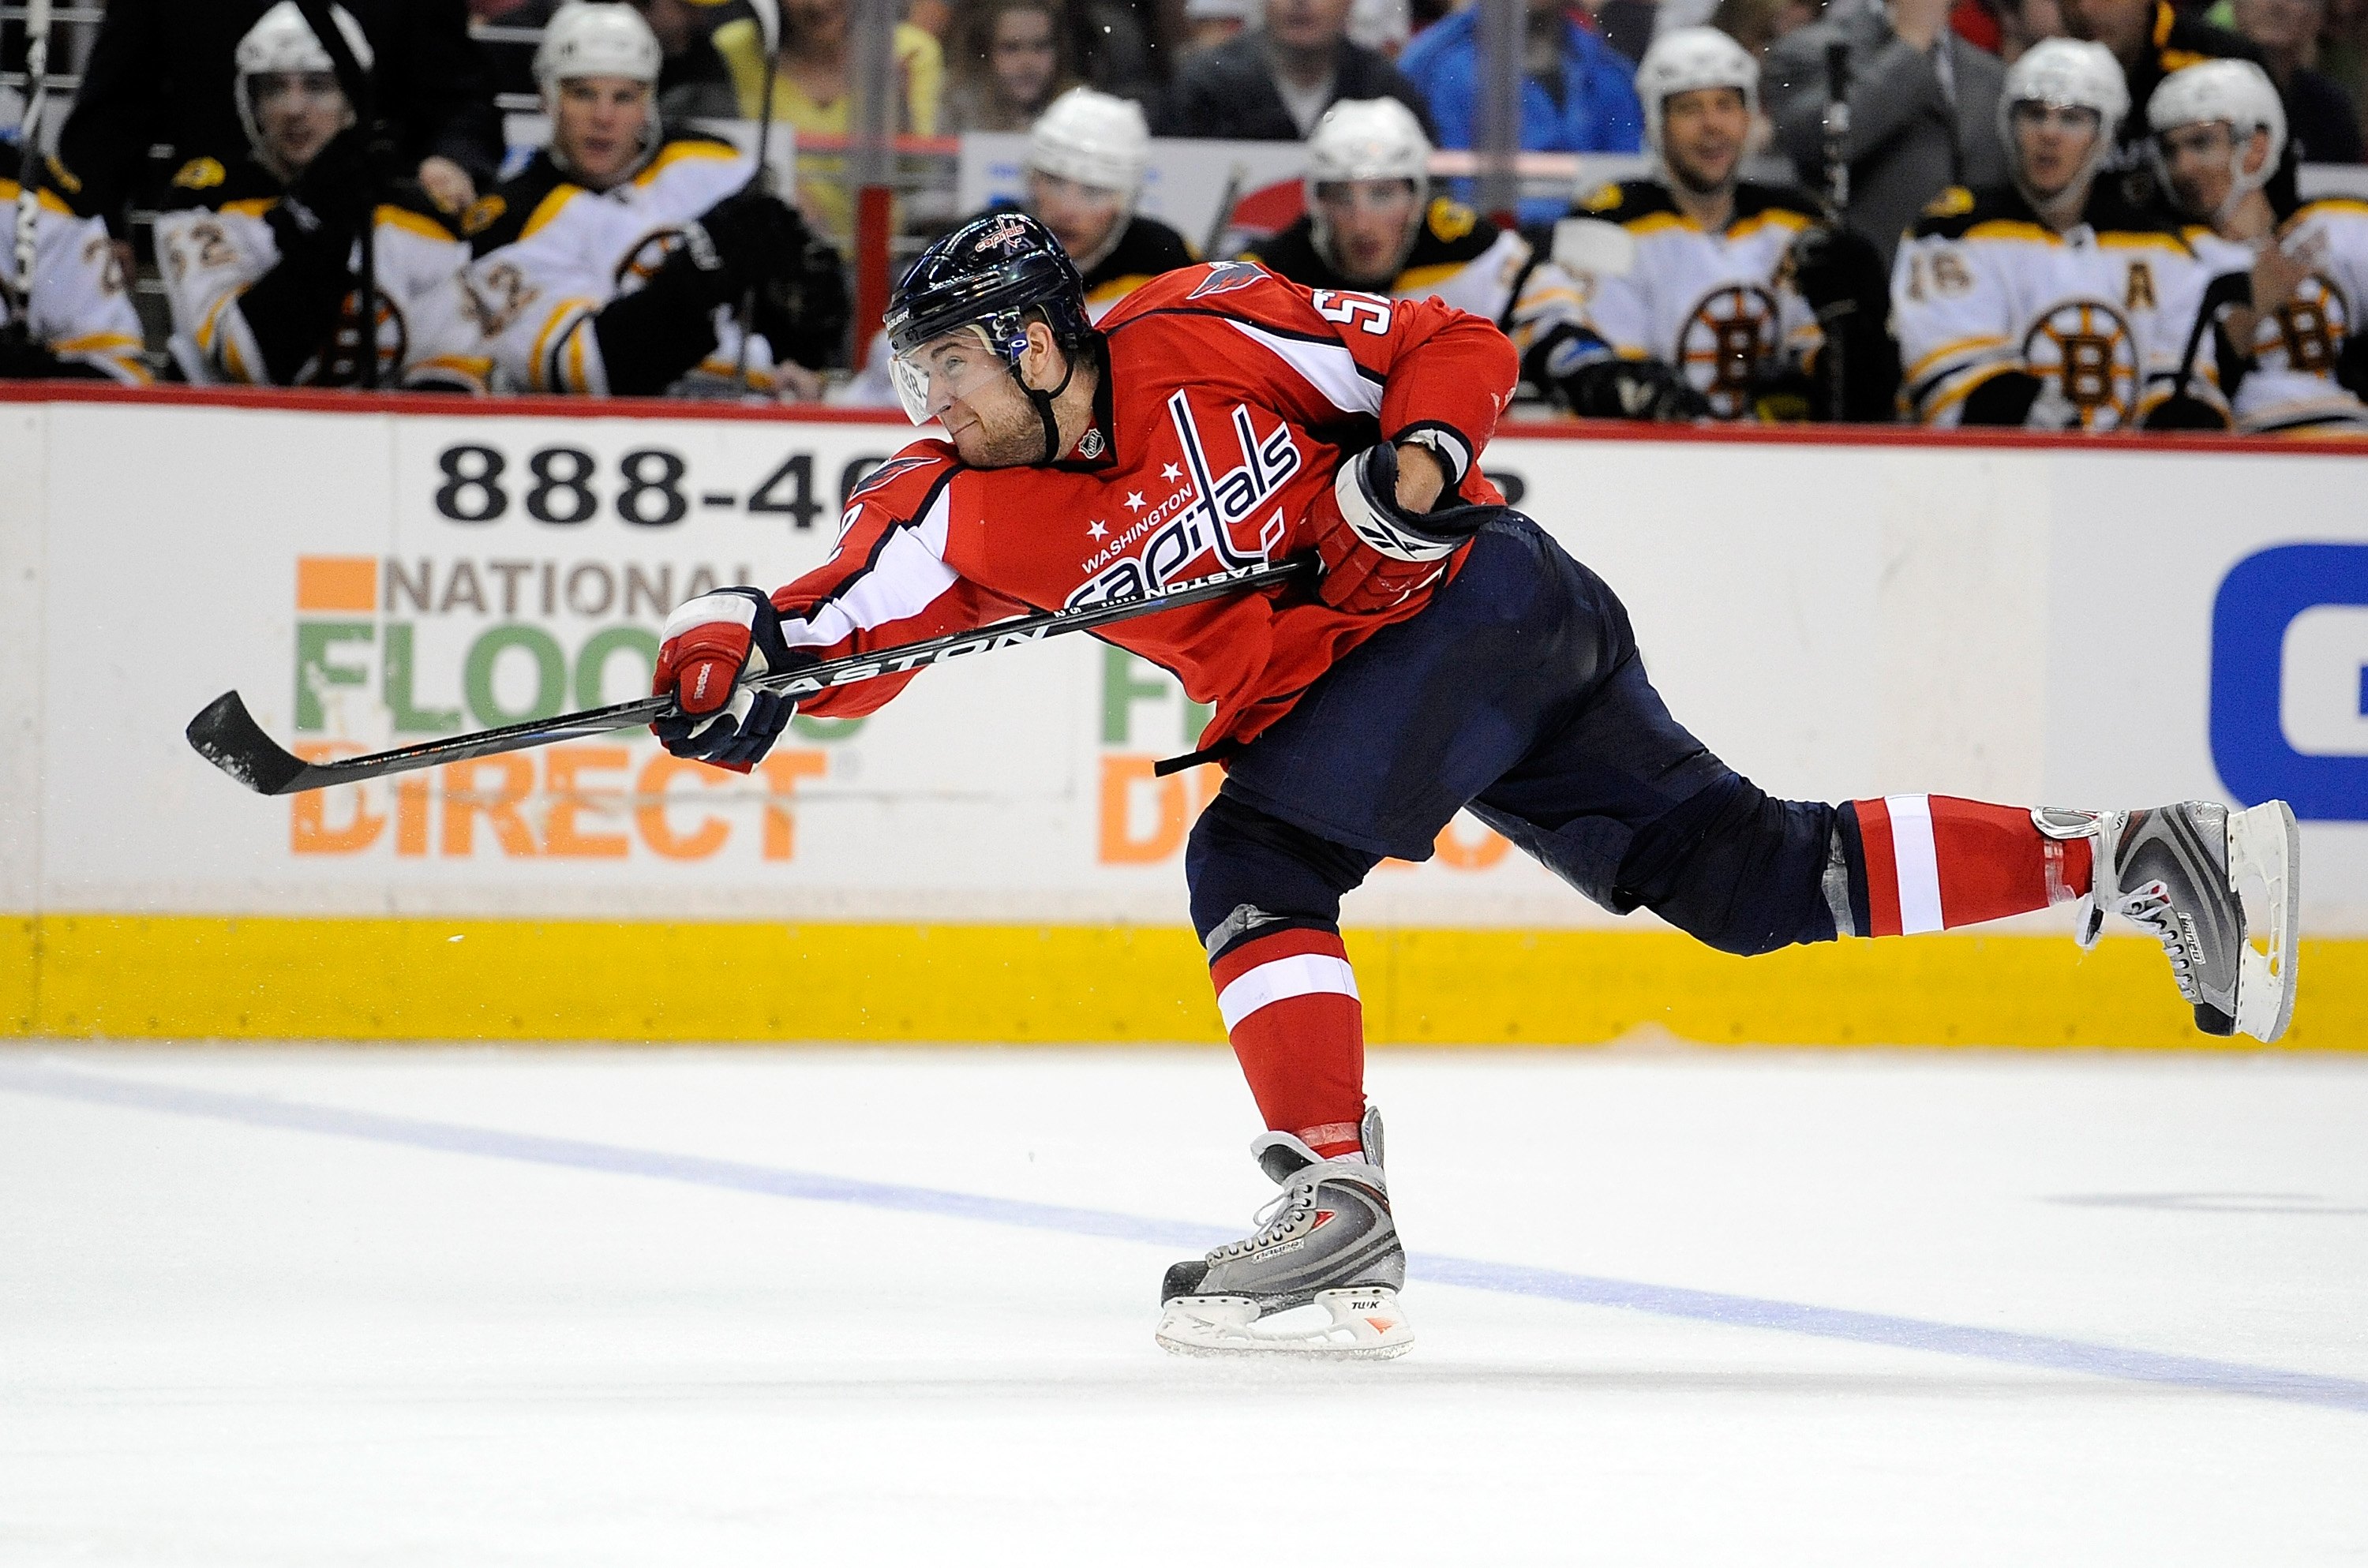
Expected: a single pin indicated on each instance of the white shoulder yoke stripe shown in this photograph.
(1329, 368)
(907, 577)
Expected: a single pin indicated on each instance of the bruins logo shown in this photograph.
(340, 363)
(1731, 333)
(1451, 221)
(483, 215)
(2308, 329)
(201, 173)
(2087, 349)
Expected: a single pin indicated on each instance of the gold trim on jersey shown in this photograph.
(549, 208)
(1914, 372)
(1739, 229)
(1415, 277)
(47, 200)
(249, 206)
(2335, 203)
(1117, 287)
(2014, 229)
(674, 152)
(568, 311)
(1958, 392)
(2125, 239)
(419, 224)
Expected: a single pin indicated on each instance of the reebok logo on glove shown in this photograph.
(713, 645)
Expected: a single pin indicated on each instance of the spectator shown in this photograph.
(1576, 95)
(1923, 109)
(814, 90)
(161, 71)
(260, 259)
(1011, 59)
(2343, 52)
(615, 261)
(693, 82)
(1274, 81)
(1627, 25)
(77, 320)
(2321, 123)
(1758, 24)
(2025, 24)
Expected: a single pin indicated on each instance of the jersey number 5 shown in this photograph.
(1367, 311)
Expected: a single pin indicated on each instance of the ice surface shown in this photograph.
(241, 1324)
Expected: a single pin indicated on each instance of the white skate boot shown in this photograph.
(1326, 1245)
(2210, 884)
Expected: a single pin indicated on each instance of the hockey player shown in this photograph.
(2298, 355)
(81, 324)
(2050, 303)
(615, 261)
(1086, 155)
(261, 261)
(1708, 295)
(1372, 225)
(1449, 654)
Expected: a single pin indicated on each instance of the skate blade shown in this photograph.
(1362, 1325)
(2265, 873)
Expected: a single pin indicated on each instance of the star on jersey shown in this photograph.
(1134, 501)
(1170, 471)
(1095, 530)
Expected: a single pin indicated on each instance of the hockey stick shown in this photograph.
(766, 10)
(227, 736)
(362, 96)
(28, 132)
(1838, 192)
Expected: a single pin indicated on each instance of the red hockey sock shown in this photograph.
(1934, 862)
(1290, 1008)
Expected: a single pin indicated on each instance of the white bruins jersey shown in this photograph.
(209, 255)
(1719, 308)
(549, 253)
(1458, 258)
(81, 311)
(2290, 387)
(2104, 315)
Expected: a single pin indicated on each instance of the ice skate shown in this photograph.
(2222, 891)
(1326, 1248)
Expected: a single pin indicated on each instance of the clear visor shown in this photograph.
(932, 376)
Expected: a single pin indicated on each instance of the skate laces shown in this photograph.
(1277, 1219)
(2150, 907)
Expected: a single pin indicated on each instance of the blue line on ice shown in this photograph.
(1664, 1300)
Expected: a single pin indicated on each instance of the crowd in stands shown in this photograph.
(2051, 213)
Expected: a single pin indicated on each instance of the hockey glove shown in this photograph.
(711, 643)
(1840, 276)
(743, 241)
(1633, 389)
(34, 362)
(1378, 554)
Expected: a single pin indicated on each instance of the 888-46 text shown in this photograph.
(649, 487)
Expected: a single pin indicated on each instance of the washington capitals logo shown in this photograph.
(1009, 234)
(1199, 519)
(1226, 277)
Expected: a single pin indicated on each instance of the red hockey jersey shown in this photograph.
(1232, 397)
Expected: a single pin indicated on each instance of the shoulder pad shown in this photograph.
(1627, 201)
(1955, 210)
(899, 485)
(499, 217)
(1450, 233)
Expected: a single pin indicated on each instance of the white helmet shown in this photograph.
(589, 38)
(2236, 91)
(1685, 60)
(1361, 139)
(282, 41)
(2066, 72)
(1093, 139)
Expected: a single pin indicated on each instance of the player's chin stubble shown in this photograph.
(1001, 437)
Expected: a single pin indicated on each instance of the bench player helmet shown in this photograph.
(1366, 139)
(1686, 60)
(2065, 74)
(1099, 142)
(283, 41)
(992, 275)
(596, 38)
(2236, 92)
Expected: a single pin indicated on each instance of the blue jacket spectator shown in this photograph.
(1587, 105)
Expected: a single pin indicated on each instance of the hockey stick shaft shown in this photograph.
(747, 317)
(225, 735)
(27, 213)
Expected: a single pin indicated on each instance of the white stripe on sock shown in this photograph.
(1279, 980)
(1918, 861)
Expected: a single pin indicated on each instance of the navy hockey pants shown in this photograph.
(1516, 692)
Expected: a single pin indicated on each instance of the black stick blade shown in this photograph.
(226, 735)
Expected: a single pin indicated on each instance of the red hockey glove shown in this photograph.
(710, 643)
(1377, 553)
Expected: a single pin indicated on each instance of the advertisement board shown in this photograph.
(2084, 624)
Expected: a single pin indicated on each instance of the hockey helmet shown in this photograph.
(2235, 91)
(596, 38)
(1686, 60)
(1093, 139)
(994, 273)
(2066, 72)
(283, 41)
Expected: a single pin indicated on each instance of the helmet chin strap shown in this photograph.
(1043, 403)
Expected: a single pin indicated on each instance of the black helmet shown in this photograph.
(990, 271)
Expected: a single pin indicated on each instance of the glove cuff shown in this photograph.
(1366, 488)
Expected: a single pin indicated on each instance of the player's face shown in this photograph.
(297, 112)
(1703, 133)
(599, 125)
(1022, 57)
(1369, 221)
(2196, 157)
(1080, 216)
(1307, 24)
(964, 384)
(2053, 143)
